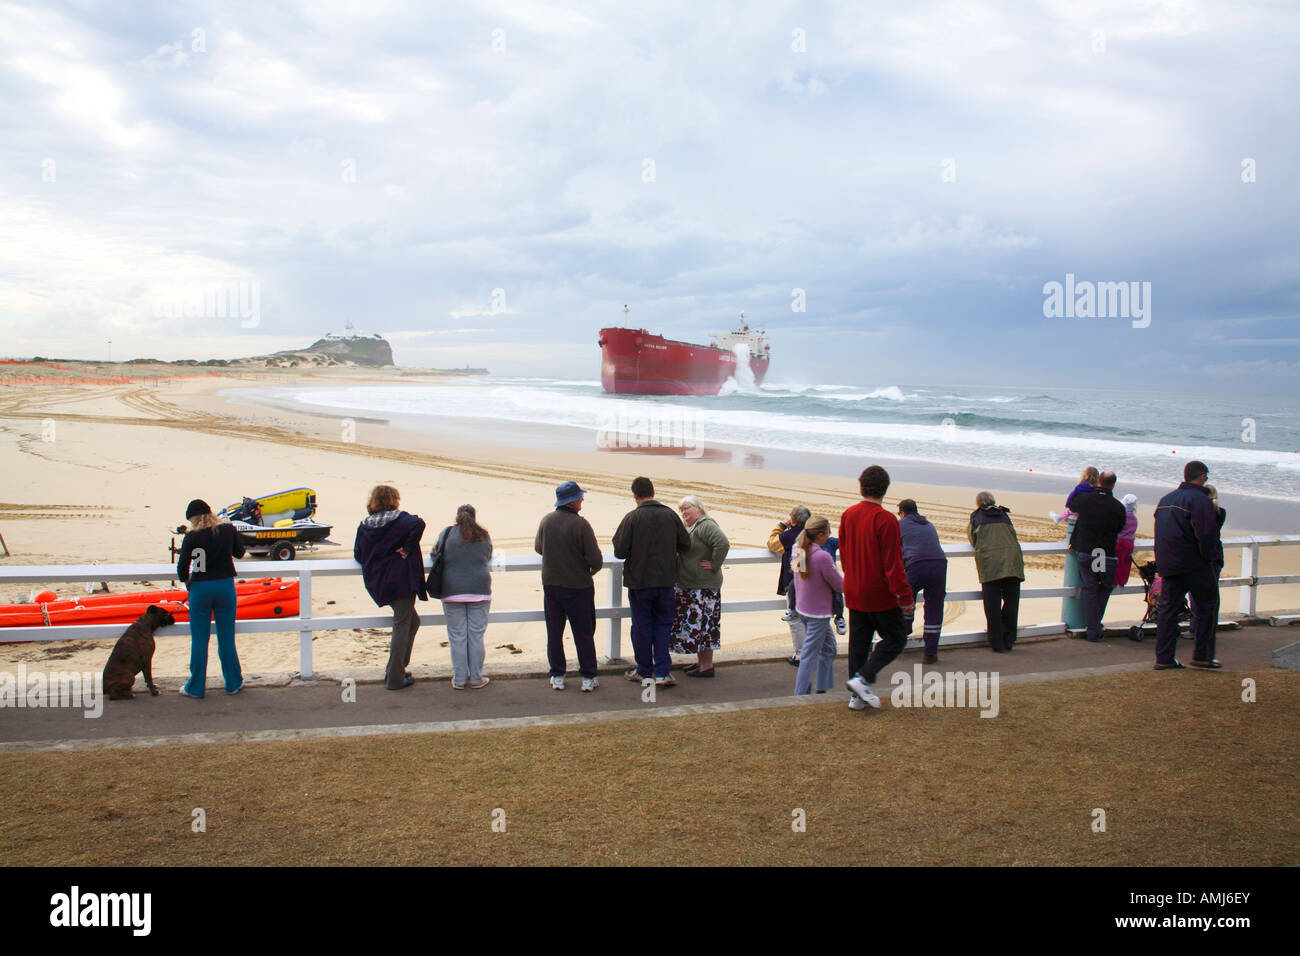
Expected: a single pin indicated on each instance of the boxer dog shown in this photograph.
(133, 653)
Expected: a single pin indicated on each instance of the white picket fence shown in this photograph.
(306, 623)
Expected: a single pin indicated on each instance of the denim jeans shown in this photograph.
(818, 654)
(209, 599)
(466, 623)
(652, 626)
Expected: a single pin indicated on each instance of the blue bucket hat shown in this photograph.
(567, 493)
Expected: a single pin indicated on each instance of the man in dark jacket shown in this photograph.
(927, 572)
(392, 567)
(1096, 531)
(1187, 543)
(648, 540)
(570, 556)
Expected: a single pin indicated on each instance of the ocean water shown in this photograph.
(1251, 444)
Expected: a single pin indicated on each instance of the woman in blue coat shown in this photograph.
(392, 566)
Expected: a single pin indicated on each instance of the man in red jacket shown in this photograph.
(875, 586)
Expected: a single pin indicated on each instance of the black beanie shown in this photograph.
(197, 507)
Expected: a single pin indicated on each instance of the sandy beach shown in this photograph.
(102, 472)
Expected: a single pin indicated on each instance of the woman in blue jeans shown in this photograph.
(467, 595)
(816, 581)
(207, 567)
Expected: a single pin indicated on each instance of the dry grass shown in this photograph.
(1187, 773)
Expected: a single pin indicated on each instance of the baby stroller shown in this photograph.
(1151, 584)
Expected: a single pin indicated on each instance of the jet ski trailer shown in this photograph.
(276, 525)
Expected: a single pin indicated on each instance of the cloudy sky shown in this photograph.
(491, 182)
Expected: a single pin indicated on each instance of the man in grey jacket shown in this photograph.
(570, 557)
(649, 540)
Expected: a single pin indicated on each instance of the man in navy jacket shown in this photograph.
(1187, 542)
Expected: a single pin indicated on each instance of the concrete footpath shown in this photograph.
(281, 708)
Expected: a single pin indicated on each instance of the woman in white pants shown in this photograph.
(467, 595)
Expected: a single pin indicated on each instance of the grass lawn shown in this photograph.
(1186, 772)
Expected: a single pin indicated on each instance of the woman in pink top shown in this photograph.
(1124, 544)
(817, 581)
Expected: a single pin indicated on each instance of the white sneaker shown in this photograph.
(1054, 516)
(855, 703)
(788, 616)
(863, 690)
(840, 627)
(589, 684)
(557, 683)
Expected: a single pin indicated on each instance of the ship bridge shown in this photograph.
(756, 341)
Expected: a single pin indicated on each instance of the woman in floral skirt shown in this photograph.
(697, 618)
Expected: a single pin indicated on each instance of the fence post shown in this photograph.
(305, 671)
(613, 644)
(1249, 599)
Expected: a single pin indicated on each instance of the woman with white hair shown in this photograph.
(697, 614)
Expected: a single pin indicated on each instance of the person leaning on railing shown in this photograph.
(392, 566)
(1094, 544)
(570, 558)
(207, 567)
(781, 541)
(927, 574)
(467, 595)
(1001, 567)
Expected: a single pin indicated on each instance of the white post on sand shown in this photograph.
(305, 671)
(613, 644)
(1249, 599)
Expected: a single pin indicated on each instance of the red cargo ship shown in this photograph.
(637, 362)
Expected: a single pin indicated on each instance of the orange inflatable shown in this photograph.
(262, 598)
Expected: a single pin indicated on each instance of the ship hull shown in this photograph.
(635, 362)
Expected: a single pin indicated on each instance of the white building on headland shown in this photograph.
(349, 333)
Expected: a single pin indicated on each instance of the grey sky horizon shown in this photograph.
(490, 185)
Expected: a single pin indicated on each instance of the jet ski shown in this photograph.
(276, 525)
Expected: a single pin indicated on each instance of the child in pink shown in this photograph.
(1124, 544)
